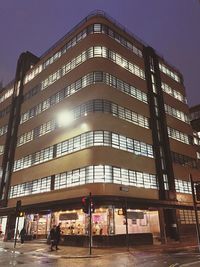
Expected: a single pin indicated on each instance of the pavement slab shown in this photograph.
(33, 254)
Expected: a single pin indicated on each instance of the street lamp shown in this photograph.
(65, 118)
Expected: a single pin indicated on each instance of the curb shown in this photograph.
(81, 257)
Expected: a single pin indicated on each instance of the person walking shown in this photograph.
(58, 235)
(53, 237)
(22, 235)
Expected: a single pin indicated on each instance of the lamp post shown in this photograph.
(126, 219)
(90, 231)
(18, 209)
(87, 204)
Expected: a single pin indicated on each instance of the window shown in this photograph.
(96, 28)
(38, 157)
(183, 186)
(7, 94)
(183, 160)
(3, 130)
(188, 216)
(29, 188)
(91, 106)
(167, 89)
(5, 111)
(89, 174)
(177, 114)
(78, 85)
(168, 72)
(1, 149)
(177, 135)
(88, 139)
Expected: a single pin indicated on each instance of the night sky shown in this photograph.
(171, 27)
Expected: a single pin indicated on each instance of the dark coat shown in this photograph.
(58, 233)
(22, 233)
(53, 234)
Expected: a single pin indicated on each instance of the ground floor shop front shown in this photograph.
(108, 225)
(105, 221)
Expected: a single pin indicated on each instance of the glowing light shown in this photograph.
(65, 118)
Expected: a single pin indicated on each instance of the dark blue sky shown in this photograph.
(172, 27)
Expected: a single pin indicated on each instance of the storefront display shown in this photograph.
(37, 225)
(139, 221)
(3, 222)
(106, 221)
(72, 223)
(100, 225)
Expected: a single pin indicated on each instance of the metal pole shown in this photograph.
(195, 211)
(126, 218)
(16, 232)
(90, 231)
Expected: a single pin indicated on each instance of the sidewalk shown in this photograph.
(175, 246)
(38, 248)
(64, 251)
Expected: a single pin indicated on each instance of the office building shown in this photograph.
(99, 112)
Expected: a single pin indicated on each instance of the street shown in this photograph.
(36, 255)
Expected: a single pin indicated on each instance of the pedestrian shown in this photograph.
(58, 235)
(22, 235)
(53, 237)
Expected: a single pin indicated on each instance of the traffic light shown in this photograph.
(92, 205)
(124, 211)
(86, 204)
(18, 207)
(197, 192)
(21, 214)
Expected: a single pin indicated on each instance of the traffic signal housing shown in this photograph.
(124, 211)
(18, 207)
(86, 204)
(92, 205)
(21, 214)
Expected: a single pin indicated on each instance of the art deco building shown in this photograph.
(100, 112)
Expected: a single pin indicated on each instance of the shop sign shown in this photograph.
(97, 218)
(68, 216)
(124, 188)
(135, 215)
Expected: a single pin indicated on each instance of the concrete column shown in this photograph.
(10, 227)
(163, 237)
